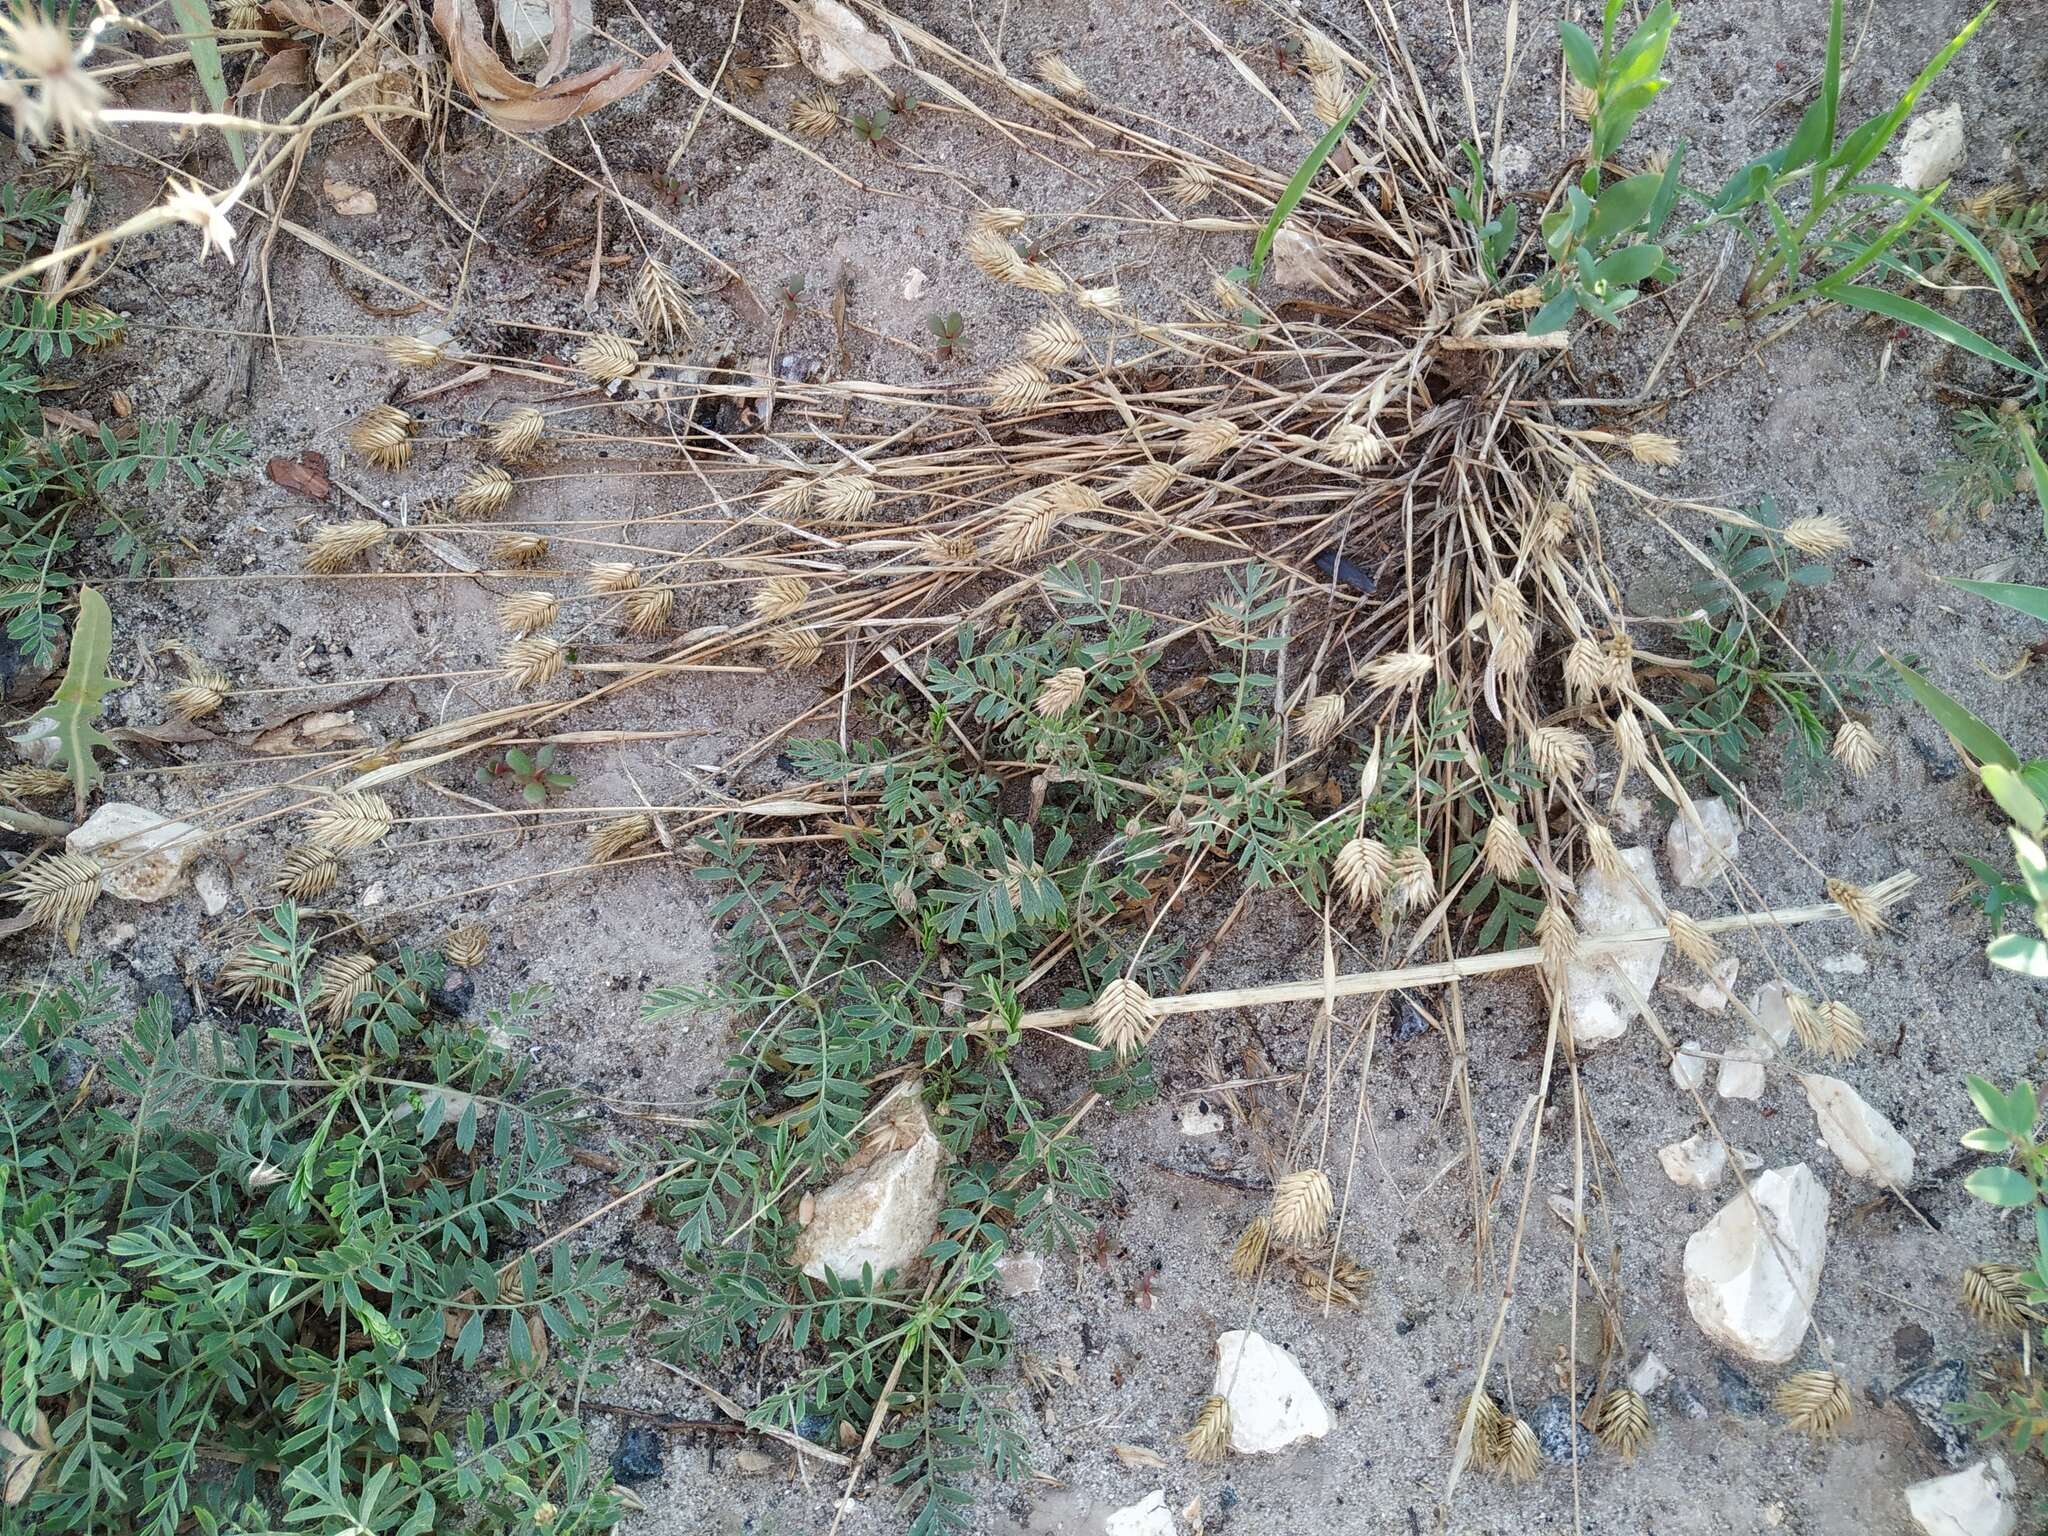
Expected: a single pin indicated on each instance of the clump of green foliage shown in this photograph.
(237, 1263)
(2010, 1294)
(534, 773)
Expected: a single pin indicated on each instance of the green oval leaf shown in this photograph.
(2006, 1187)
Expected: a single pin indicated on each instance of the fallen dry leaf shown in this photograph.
(285, 68)
(519, 105)
(1138, 1456)
(348, 198)
(323, 16)
(171, 733)
(304, 476)
(57, 419)
(321, 729)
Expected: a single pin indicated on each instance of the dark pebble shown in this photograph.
(1927, 1395)
(1939, 756)
(172, 989)
(455, 993)
(21, 676)
(1688, 1401)
(816, 1427)
(638, 1458)
(1738, 1395)
(1408, 1023)
(1555, 1426)
(1912, 1347)
(1330, 563)
(1229, 1497)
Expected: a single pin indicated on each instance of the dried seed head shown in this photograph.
(612, 576)
(1397, 670)
(999, 221)
(1624, 1423)
(1553, 526)
(340, 982)
(780, 49)
(1061, 692)
(665, 314)
(1856, 906)
(1102, 301)
(526, 613)
(531, 662)
(1488, 1422)
(25, 781)
(1998, 1296)
(780, 596)
(608, 359)
(815, 115)
(1328, 96)
(794, 648)
(349, 821)
(307, 871)
(1302, 1204)
(1578, 488)
(485, 493)
(465, 946)
(619, 836)
(250, 972)
(1506, 850)
(1509, 627)
(56, 891)
(1025, 524)
(1414, 879)
(382, 437)
(1620, 652)
(1856, 748)
(1605, 853)
(1356, 445)
(517, 549)
(1559, 755)
(787, 498)
(1815, 1403)
(1320, 56)
(1653, 449)
(1580, 100)
(1341, 1283)
(515, 436)
(1249, 1256)
(1842, 1031)
(1691, 940)
(1209, 439)
(845, 497)
(1122, 1016)
(1148, 482)
(1054, 342)
(1821, 535)
(1189, 185)
(334, 545)
(199, 695)
(647, 610)
(1210, 1436)
(948, 548)
(998, 258)
(1319, 719)
(1016, 388)
(1556, 937)
(1585, 668)
(1517, 1452)
(1630, 744)
(428, 351)
(1363, 870)
(1056, 72)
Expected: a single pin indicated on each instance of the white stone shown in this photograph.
(884, 1209)
(1629, 811)
(1712, 995)
(1773, 1016)
(1742, 1074)
(212, 885)
(1148, 1517)
(1696, 1162)
(1699, 853)
(1272, 1406)
(913, 284)
(144, 856)
(1868, 1145)
(1749, 1160)
(529, 26)
(1751, 1273)
(1688, 1066)
(1597, 1003)
(1980, 1500)
(1845, 965)
(1020, 1274)
(837, 45)
(1932, 150)
(1650, 1374)
(1198, 1118)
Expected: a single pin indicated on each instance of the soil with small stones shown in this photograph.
(1836, 417)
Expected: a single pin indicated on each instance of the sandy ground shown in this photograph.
(1823, 420)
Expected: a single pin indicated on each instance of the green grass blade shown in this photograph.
(1298, 185)
(1974, 248)
(196, 22)
(2032, 601)
(1971, 734)
(1831, 79)
(1935, 323)
(2036, 469)
(1869, 141)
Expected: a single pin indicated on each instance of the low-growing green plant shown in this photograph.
(533, 773)
(241, 1263)
(949, 330)
(2011, 1296)
(1997, 459)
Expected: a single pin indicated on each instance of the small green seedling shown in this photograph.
(872, 128)
(950, 329)
(792, 292)
(534, 772)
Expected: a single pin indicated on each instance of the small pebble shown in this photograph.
(1554, 1426)
(1409, 1024)
(455, 993)
(1738, 1395)
(1927, 1395)
(177, 997)
(638, 1458)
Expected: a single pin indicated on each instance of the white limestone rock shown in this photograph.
(1272, 1405)
(1933, 148)
(144, 856)
(1751, 1272)
(884, 1208)
(1020, 1274)
(1650, 1373)
(1148, 1517)
(1700, 853)
(1868, 1145)
(1742, 1073)
(837, 46)
(1597, 1004)
(529, 26)
(1773, 1016)
(1980, 1500)
(1713, 993)
(1696, 1162)
(1689, 1066)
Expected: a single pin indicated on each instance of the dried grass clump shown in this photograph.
(1301, 1208)
(382, 437)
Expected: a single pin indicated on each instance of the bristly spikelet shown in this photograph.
(1103, 301)
(415, 351)
(1815, 1403)
(249, 972)
(1516, 1450)
(1122, 1016)
(1356, 445)
(1585, 668)
(646, 610)
(996, 257)
(1024, 525)
(1842, 1030)
(1506, 850)
(1016, 388)
(1061, 692)
(1578, 489)
(517, 549)
(340, 982)
(25, 781)
(1631, 746)
(1580, 100)
(382, 436)
(1363, 869)
(1248, 1257)
(466, 946)
(1560, 755)
(847, 498)
(349, 821)
(1856, 906)
(1488, 1422)
(815, 115)
(1302, 1203)
(1806, 1021)
(56, 891)
(780, 48)
(531, 662)
(1054, 342)
(1997, 1295)
(247, 18)
(1148, 482)
(608, 359)
(307, 871)
(1856, 748)
(788, 498)
(1508, 626)
(780, 596)
(1820, 535)
(666, 318)
(611, 576)
(1556, 937)
(1319, 719)
(1056, 72)
(1209, 439)
(485, 493)
(1653, 449)
(334, 545)
(1414, 879)
(794, 648)
(1189, 185)
(1341, 1283)
(1209, 1437)
(199, 695)
(1397, 670)
(619, 836)
(515, 436)
(998, 221)
(1691, 940)
(1328, 96)
(527, 613)
(1624, 1424)
(1605, 853)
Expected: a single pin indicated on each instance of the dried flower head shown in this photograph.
(1122, 1016)
(465, 946)
(1856, 748)
(1578, 488)
(307, 871)
(815, 115)
(1341, 1282)
(1605, 853)
(1580, 100)
(612, 576)
(527, 613)
(1209, 438)
(203, 692)
(1506, 850)
(1319, 719)
(1806, 1021)
(1585, 668)
(1488, 1423)
(1103, 301)
(340, 982)
(1363, 870)
(1209, 1438)
(794, 648)
(1691, 940)
(1631, 746)
(354, 819)
(517, 549)
(1820, 535)
(25, 781)
(994, 255)
(1397, 670)
(1328, 96)
(665, 314)
(55, 891)
(608, 359)
(515, 436)
(1516, 1451)
(1148, 482)
(848, 498)
(1624, 1422)
(1016, 388)
(1556, 937)
(382, 437)
(1841, 1028)
(1509, 627)
(1998, 1295)
(334, 545)
(52, 96)
(1054, 342)
(1056, 72)
(619, 836)
(647, 610)
(1856, 905)
(1301, 1209)
(1024, 525)
(1356, 445)
(998, 221)
(1189, 184)
(485, 493)
(1653, 449)
(531, 661)
(250, 971)
(1248, 1257)
(1061, 692)
(1815, 1403)
(780, 48)
(1560, 755)
(1414, 878)
(189, 203)
(780, 596)
(427, 351)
